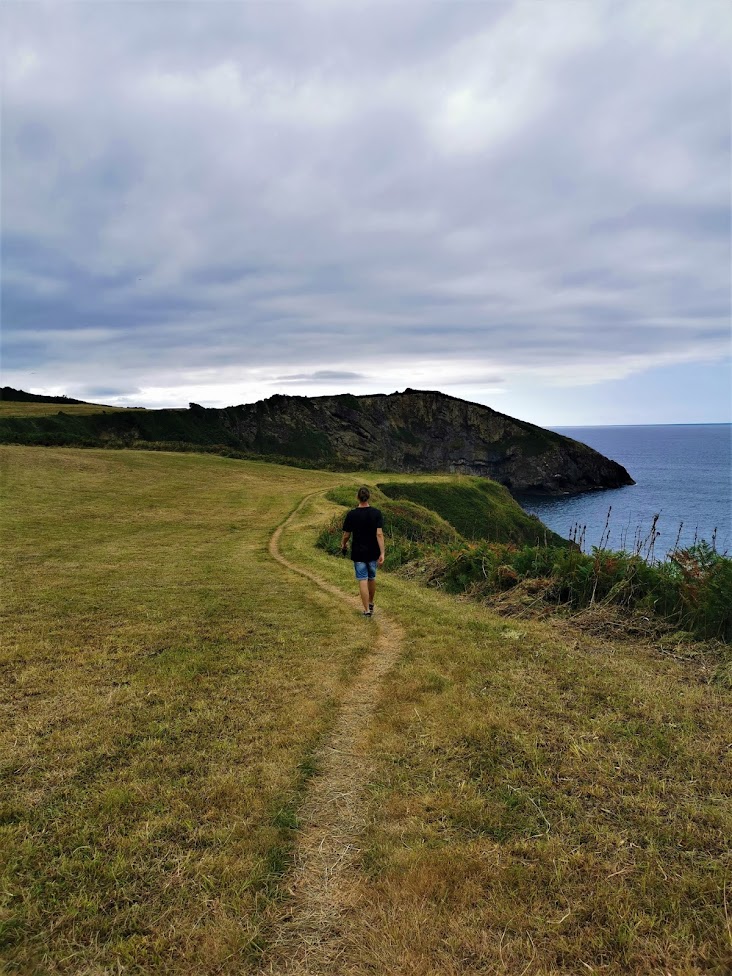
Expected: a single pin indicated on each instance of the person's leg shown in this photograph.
(363, 586)
(361, 571)
(372, 584)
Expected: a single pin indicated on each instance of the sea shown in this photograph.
(683, 475)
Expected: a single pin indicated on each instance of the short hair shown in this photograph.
(363, 494)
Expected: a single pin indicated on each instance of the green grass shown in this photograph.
(407, 527)
(546, 801)
(549, 801)
(164, 685)
(477, 508)
(101, 428)
(13, 408)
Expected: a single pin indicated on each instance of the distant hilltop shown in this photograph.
(414, 431)
(20, 396)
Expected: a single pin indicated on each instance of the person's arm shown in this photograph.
(380, 540)
(346, 533)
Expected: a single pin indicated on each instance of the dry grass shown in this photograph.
(548, 801)
(308, 930)
(533, 799)
(20, 408)
(164, 688)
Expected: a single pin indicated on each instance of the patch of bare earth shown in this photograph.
(310, 935)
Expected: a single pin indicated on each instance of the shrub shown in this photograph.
(705, 590)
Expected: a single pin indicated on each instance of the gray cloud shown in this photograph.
(114, 392)
(302, 192)
(321, 375)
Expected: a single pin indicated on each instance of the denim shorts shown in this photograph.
(365, 570)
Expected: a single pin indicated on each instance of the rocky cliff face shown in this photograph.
(411, 431)
(424, 431)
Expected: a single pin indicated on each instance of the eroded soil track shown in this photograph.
(311, 937)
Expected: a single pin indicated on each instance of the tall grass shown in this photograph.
(691, 589)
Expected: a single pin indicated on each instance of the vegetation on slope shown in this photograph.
(181, 431)
(116, 428)
(691, 590)
(549, 800)
(478, 508)
(437, 511)
(408, 527)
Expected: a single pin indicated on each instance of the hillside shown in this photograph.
(478, 508)
(22, 405)
(21, 396)
(198, 737)
(414, 431)
(443, 510)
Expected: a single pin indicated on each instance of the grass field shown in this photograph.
(164, 686)
(544, 802)
(13, 408)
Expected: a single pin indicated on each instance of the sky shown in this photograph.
(524, 204)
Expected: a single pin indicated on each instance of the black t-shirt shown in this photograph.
(363, 523)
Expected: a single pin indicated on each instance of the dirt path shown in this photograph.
(311, 938)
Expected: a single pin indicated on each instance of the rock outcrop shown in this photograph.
(426, 431)
(413, 431)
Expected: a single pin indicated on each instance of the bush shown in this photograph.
(705, 590)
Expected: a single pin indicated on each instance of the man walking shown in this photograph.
(367, 549)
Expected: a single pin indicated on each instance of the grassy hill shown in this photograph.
(19, 409)
(19, 404)
(425, 514)
(477, 508)
(542, 799)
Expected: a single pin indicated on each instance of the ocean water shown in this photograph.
(683, 474)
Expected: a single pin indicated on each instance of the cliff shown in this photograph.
(413, 431)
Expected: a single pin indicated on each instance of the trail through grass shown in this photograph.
(308, 935)
(531, 800)
(544, 801)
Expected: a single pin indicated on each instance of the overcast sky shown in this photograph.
(525, 204)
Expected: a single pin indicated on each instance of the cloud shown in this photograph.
(115, 392)
(321, 376)
(235, 196)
